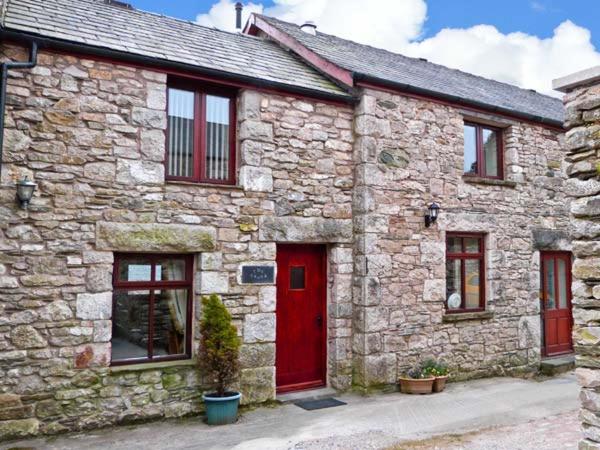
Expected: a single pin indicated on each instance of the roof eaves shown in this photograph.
(402, 87)
(105, 52)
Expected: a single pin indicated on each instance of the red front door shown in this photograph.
(556, 303)
(301, 316)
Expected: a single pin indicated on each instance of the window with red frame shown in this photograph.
(152, 307)
(465, 272)
(483, 151)
(200, 135)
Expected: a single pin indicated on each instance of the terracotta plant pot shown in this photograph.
(440, 383)
(416, 385)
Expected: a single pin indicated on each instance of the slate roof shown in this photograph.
(413, 72)
(95, 23)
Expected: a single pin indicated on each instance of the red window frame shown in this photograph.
(479, 152)
(463, 256)
(187, 283)
(199, 151)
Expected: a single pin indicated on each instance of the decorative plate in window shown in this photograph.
(454, 301)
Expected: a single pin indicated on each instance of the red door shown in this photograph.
(556, 303)
(301, 316)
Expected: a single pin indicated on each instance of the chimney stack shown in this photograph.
(309, 27)
(238, 16)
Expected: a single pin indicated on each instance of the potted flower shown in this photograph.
(438, 370)
(441, 376)
(220, 348)
(416, 382)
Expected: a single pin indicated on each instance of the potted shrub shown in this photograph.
(438, 370)
(219, 358)
(416, 382)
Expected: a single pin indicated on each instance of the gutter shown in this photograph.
(153, 62)
(4, 68)
(402, 87)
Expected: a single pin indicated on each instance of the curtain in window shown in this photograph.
(217, 138)
(181, 133)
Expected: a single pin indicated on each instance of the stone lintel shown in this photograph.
(458, 317)
(154, 237)
(305, 229)
(578, 79)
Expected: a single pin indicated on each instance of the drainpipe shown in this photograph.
(4, 68)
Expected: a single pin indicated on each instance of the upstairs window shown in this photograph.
(201, 135)
(483, 151)
(465, 274)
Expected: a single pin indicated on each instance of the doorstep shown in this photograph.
(309, 394)
(557, 364)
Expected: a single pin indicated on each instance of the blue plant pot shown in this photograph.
(221, 410)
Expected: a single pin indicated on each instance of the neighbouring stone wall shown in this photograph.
(91, 135)
(409, 153)
(583, 164)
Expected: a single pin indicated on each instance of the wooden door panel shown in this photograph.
(301, 316)
(555, 300)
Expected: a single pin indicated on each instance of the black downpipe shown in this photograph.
(4, 68)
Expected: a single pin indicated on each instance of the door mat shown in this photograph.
(310, 405)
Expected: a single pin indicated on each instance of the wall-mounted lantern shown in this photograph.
(432, 214)
(25, 188)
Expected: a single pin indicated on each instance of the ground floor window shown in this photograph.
(465, 274)
(152, 306)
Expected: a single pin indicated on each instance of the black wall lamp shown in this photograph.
(432, 214)
(25, 188)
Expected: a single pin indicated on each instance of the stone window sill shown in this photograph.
(153, 366)
(235, 187)
(459, 317)
(489, 181)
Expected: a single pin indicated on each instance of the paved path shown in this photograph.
(375, 422)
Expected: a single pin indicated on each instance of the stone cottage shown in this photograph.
(295, 174)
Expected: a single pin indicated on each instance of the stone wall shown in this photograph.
(583, 146)
(409, 153)
(91, 135)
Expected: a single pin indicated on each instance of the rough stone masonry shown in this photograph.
(582, 101)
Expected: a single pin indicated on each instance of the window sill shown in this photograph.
(489, 181)
(205, 185)
(153, 365)
(458, 317)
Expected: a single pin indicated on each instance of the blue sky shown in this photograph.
(533, 17)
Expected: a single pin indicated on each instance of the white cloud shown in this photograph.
(397, 25)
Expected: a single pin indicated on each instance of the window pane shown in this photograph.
(297, 278)
(170, 270)
(562, 283)
(470, 149)
(472, 245)
(135, 269)
(170, 319)
(453, 283)
(217, 138)
(130, 324)
(550, 294)
(181, 133)
(490, 152)
(454, 245)
(472, 283)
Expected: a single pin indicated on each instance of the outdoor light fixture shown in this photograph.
(25, 188)
(432, 214)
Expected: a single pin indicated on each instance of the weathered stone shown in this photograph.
(13, 429)
(259, 327)
(154, 237)
(99, 279)
(256, 179)
(258, 384)
(214, 282)
(25, 336)
(257, 355)
(56, 311)
(301, 229)
(140, 172)
(94, 306)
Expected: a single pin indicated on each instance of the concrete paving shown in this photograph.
(374, 422)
